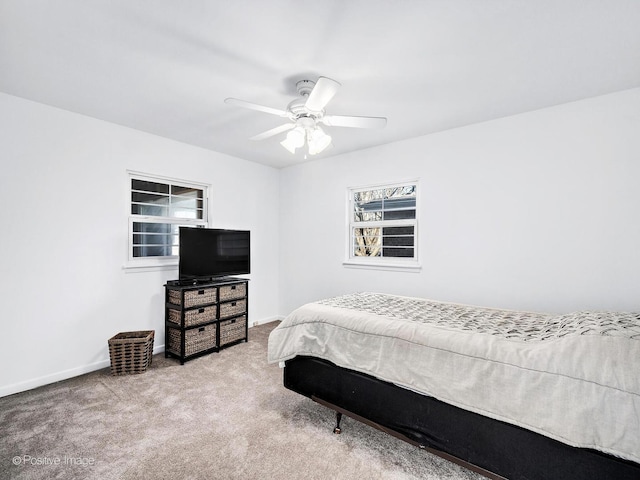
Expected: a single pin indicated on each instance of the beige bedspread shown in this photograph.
(575, 377)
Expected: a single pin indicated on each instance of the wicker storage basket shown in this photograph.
(196, 340)
(194, 316)
(233, 330)
(194, 298)
(131, 352)
(229, 309)
(231, 292)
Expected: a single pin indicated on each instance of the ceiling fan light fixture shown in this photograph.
(295, 139)
(317, 141)
(286, 144)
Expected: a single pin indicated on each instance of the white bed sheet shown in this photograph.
(574, 378)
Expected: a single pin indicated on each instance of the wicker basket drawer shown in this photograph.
(229, 309)
(233, 330)
(196, 340)
(193, 298)
(195, 316)
(229, 292)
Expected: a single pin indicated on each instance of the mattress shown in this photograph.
(573, 377)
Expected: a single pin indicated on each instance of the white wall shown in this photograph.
(65, 201)
(539, 211)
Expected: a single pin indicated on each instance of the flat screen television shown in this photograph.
(207, 253)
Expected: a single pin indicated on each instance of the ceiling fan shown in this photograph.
(306, 113)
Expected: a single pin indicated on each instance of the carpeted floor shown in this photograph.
(221, 416)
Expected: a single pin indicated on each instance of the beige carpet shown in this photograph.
(222, 416)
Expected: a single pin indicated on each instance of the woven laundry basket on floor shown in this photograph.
(131, 352)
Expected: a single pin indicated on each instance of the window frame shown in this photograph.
(169, 261)
(382, 263)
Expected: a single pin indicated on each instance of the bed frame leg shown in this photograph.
(338, 430)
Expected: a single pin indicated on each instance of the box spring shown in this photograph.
(496, 448)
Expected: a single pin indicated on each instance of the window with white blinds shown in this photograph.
(383, 224)
(159, 207)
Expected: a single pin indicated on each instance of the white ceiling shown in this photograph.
(166, 66)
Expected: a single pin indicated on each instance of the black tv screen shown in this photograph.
(206, 253)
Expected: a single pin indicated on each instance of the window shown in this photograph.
(158, 207)
(383, 225)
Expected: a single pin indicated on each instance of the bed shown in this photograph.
(509, 394)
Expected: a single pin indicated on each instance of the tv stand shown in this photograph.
(204, 316)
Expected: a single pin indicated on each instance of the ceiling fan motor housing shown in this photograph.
(297, 108)
(304, 87)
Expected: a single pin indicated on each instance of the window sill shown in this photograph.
(149, 266)
(388, 266)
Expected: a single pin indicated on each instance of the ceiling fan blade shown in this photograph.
(322, 93)
(255, 106)
(273, 131)
(354, 122)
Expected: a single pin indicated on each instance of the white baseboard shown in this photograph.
(92, 367)
(266, 320)
(52, 378)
